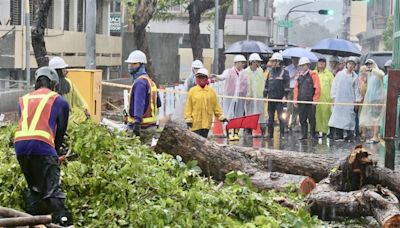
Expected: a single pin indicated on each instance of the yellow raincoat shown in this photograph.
(201, 105)
(77, 104)
(323, 112)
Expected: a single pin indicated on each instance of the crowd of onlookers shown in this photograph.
(351, 97)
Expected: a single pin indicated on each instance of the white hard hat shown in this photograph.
(202, 71)
(239, 58)
(352, 59)
(137, 57)
(388, 63)
(334, 59)
(276, 56)
(197, 64)
(57, 63)
(304, 60)
(255, 57)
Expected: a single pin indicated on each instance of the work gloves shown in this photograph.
(225, 120)
(189, 125)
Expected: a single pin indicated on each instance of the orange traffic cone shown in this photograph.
(217, 129)
(257, 132)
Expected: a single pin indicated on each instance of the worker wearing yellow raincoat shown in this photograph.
(78, 106)
(323, 112)
(201, 105)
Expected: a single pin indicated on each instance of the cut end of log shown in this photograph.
(393, 221)
(307, 185)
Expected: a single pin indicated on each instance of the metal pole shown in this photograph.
(216, 37)
(90, 34)
(247, 23)
(27, 43)
(396, 35)
(286, 31)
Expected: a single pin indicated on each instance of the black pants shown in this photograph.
(44, 196)
(307, 116)
(202, 132)
(278, 107)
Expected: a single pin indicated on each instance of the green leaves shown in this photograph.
(114, 181)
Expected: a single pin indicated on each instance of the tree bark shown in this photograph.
(217, 161)
(144, 11)
(25, 221)
(39, 26)
(12, 213)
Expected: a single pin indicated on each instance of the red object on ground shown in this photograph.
(217, 129)
(250, 122)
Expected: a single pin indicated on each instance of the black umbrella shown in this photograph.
(337, 47)
(247, 47)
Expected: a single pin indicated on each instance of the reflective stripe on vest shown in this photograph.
(150, 115)
(31, 131)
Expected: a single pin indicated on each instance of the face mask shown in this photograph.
(201, 83)
(133, 70)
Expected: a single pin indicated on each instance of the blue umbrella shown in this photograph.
(299, 52)
(247, 47)
(337, 47)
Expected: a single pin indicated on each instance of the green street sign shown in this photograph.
(285, 24)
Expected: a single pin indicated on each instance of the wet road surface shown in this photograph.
(319, 146)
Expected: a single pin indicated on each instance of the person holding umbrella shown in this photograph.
(344, 90)
(236, 85)
(323, 112)
(306, 88)
(256, 79)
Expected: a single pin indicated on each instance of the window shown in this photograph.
(115, 6)
(66, 14)
(15, 12)
(239, 7)
(81, 14)
(256, 7)
(99, 16)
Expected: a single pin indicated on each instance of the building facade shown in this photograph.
(64, 36)
(378, 13)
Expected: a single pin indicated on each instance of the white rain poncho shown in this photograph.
(237, 85)
(256, 90)
(180, 99)
(344, 90)
(372, 115)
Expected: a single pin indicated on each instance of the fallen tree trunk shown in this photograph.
(12, 213)
(329, 204)
(280, 181)
(217, 161)
(25, 221)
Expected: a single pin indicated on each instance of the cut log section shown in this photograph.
(25, 221)
(216, 160)
(279, 182)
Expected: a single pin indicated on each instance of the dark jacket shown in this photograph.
(307, 87)
(277, 84)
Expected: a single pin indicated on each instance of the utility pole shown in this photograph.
(90, 28)
(346, 19)
(216, 31)
(27, 42)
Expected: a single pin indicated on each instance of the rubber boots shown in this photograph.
(270, 132)
(231, 135)
(304, 132)
(263, 130)
(236, 134)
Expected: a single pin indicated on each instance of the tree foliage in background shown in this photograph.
(388, 34)
(308, 34)
(141, 12)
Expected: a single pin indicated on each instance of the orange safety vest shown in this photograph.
(35, 114)
(150, 115)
